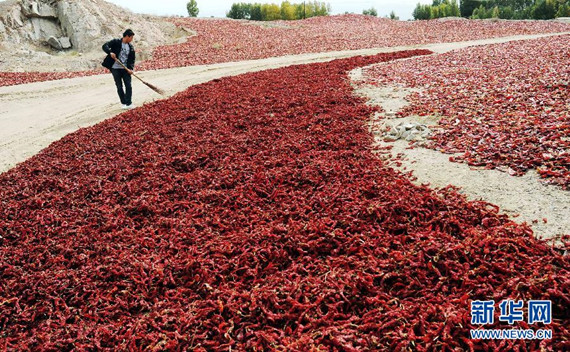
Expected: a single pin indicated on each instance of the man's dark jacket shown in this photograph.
(114, 46)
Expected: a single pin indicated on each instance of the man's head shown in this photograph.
(128, 36)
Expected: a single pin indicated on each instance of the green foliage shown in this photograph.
(506, 13)
(288, 11)
(479, 13)
(422, 12)
(544, 10)
(192, 8)
(370, 12)
(319, 8)
(393, 16)
(521, 9)
(563, 10)
(239, 11)
(255, 12)
(438, 9)
(272, 12)
(468, 6)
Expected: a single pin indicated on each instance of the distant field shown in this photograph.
(227, 40)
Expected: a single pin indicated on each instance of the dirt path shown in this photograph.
(34, 115)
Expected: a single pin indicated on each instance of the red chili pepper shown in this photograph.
(221, 218)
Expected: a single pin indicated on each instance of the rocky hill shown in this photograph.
(65, 35)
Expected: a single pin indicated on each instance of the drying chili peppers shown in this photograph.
(250, 213)
(504, 106)
(225, 40)
(15, 78)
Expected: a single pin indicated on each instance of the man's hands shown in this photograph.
(115, 58)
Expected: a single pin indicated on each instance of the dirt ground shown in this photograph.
(32, 116)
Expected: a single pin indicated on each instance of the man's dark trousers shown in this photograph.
(120, 76)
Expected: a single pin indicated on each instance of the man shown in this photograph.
(121, 50)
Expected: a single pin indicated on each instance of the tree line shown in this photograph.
(476, 9)
(272, 12)
(438, 9)
(504, 9)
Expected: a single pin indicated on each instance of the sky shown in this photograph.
(218, 8)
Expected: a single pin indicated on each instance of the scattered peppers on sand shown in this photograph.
(504, 106)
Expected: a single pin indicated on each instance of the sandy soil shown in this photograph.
(34, 115)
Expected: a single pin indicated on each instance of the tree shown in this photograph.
(192, 8)
(543, 10)
(467, 7)
(455, 12)
(317, 8)
(255, 13)
(513, 9)
(370, 12)
(434, 12)
(563, 10)
(422, 12)
(287, 11)
(239, 11)
(438, 9)
(235, 12)
(506, 13)
(270, 12)
(393, 16)
(481, 13)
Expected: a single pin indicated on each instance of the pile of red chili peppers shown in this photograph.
(250, 213)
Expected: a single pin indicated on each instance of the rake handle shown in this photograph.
(125, 67)
(156, 89)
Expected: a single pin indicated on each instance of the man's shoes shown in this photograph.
(128, 107)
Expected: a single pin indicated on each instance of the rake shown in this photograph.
(151, 86)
